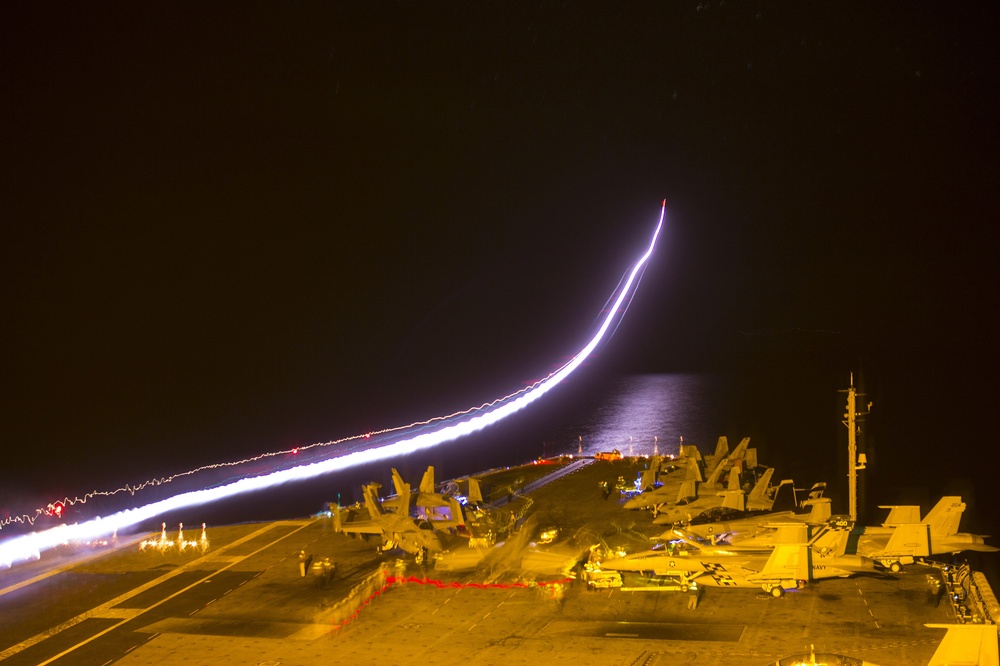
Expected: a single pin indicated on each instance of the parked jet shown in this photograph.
(710, 461)
(415, 536)
(787, 566)
(689, 506)
(726, 463)
(666, 492)
(535, 547)
(898, 543)
(722, 524)
(690, 459)
(683, 540)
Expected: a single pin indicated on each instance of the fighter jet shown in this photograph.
(786, 566)
(710, 461)
(898, 542)
(536, 547)
(396, 530)
(668, 491)
(722, 524)
(689, 504)
(726, 463)
(691, 462)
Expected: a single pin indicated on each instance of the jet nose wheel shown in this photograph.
(895, 567)
(777, 591)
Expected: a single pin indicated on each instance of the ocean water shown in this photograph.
(647, 414)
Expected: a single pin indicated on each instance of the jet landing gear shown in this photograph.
(895, 564)
(777, 590)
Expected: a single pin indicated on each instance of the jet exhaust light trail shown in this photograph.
(29, 546)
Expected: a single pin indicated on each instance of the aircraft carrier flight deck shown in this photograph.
(237, 595)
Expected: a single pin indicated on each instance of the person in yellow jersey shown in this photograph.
(693, 593)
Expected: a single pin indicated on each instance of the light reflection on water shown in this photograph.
(640, 412)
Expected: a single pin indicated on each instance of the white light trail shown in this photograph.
(31, 545)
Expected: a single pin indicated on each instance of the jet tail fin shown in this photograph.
(397, 481)
(816, 491)
(475, 493)
(944, 518)
(647, 479)
(966, 644)
(784, 496)
(370, 493)
(693, 471)
(687, 489)
(690, 451)
(427, 482)
(721, 449)
(759, 493)
(404, 500)
(819, 510)
(831, 540)
(734, 477)
(456, 512)
(724, 463)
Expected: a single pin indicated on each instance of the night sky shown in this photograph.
(233, 228)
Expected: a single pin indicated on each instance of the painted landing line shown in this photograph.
(870, 611)
(107, 610)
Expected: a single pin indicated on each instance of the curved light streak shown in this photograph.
(56, 508)
(31, 545)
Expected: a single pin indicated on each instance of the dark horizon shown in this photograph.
(237, 229)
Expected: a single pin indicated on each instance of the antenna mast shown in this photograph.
(854, 462)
